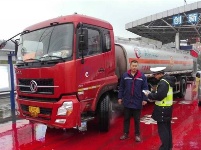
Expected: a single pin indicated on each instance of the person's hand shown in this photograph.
(154, 88)
(144, 103)
(120, 101)
(146, 94)
(151, 100)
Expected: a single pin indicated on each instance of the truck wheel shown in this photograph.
(199, 94)
(104, 113)
(199, 103)
(182, 92)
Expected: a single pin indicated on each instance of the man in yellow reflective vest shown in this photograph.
(162, 113)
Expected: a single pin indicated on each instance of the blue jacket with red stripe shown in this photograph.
(130, 90)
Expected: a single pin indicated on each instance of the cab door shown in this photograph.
(90, 73)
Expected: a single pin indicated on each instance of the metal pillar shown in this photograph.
(12, 94)
(177, 41)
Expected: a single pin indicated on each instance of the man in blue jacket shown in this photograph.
(132, 83)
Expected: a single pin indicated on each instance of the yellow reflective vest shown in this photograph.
(168, 100)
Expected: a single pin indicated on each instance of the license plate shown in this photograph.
(34, 111)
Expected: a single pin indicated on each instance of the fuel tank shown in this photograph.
(173, 60)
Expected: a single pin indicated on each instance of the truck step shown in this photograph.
(87, 119)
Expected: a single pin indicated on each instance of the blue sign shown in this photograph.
(177, 20)
(193, 18)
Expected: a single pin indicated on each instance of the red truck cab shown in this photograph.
(65, 71)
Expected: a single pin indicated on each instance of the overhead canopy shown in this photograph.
(185, 20)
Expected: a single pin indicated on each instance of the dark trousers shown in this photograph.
(128, 112)
(165, 134)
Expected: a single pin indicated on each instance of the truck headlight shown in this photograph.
(65, 109)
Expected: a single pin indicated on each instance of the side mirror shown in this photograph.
(82, 41)
(16, 46)
(2, 45)
(106, 42)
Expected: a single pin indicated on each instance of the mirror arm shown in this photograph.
(3, 44)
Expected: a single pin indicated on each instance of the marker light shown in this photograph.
(61, 121)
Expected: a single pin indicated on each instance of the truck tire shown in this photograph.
(199, 103)
(182, 92)
(104, 113)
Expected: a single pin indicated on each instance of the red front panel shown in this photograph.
(60, 80)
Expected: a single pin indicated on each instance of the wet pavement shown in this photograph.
(5, 107)
(186, 128)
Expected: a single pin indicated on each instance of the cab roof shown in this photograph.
(71, 18)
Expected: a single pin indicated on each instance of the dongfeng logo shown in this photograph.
(33, 86)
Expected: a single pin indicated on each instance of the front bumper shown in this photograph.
(48, 112)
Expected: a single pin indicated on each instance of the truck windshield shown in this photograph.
(46, 44)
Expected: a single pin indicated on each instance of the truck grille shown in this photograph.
(45, 113)
(39, 99)
(36, 86)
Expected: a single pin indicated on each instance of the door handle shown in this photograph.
(101, 70)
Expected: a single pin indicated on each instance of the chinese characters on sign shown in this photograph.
(191, 18)
(177, 20)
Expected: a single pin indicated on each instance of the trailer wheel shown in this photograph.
(104, 113)
(182, 92)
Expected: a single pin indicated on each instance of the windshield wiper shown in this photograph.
(20, 61)
(24, 62)
(52, 56)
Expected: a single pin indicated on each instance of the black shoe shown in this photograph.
(124, 136)
(137, 138)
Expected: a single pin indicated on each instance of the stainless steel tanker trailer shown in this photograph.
(178, 63)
